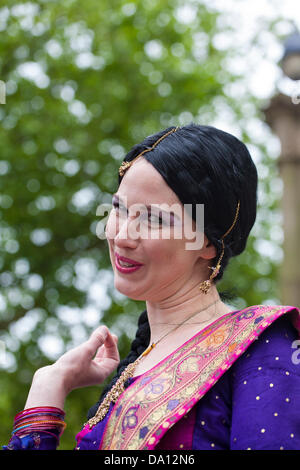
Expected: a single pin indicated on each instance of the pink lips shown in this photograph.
(126, 270)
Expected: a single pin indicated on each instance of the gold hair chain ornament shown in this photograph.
(126, 165)
(206, 285)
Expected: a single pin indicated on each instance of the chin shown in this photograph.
(125, 290)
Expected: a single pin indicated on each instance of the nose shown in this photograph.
(127, 233)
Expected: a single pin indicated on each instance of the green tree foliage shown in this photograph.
(84, 82)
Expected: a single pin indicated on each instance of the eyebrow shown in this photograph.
(118, 198)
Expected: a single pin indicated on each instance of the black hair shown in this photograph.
(202, 165)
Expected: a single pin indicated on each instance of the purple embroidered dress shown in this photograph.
(254, 404)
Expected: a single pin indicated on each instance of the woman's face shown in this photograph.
(154, 238)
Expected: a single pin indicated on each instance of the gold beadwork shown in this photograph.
(126, 165)
(113, 394)
(117, 389)
(206, 285)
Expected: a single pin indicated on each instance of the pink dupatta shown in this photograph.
(156, 400)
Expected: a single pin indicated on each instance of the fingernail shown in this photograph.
(105, 331)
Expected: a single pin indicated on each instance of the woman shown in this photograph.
(195, 377)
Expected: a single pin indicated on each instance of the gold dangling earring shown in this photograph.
(206, 285)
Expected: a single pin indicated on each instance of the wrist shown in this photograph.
(48, 388)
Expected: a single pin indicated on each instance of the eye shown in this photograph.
(118, 207)
(156, 219)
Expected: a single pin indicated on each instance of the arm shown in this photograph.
(88, 364)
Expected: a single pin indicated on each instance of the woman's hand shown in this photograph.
(88, 364)
(91, 362)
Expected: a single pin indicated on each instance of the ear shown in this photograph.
(208, 251)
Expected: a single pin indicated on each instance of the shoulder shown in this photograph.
(265, 386)
(274, 347)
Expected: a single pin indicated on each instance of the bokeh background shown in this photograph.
(84, 82)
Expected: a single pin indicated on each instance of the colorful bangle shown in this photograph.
(39, 419)
(40, 409)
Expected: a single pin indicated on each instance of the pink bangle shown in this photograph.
(41, 409)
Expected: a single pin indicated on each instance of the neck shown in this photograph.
(192, 310)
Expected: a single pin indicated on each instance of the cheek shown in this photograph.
(168, 254)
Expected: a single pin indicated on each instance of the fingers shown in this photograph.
(111, 347)
(97, 339)
(103, 344)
